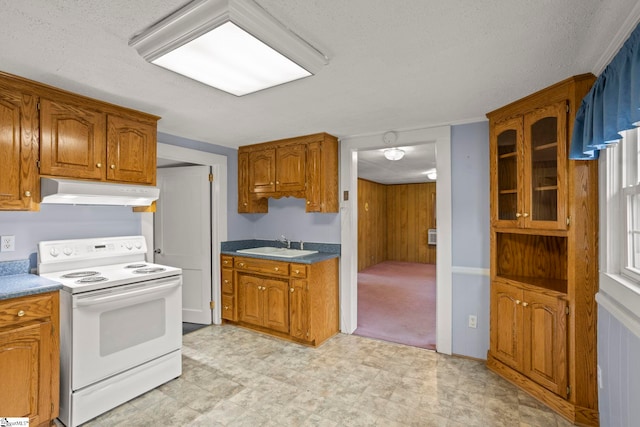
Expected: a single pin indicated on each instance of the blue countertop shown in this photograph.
(325, 250)
(15, 281)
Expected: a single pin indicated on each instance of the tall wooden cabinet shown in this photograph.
(303, 167)
(544, 249)
(45, 131)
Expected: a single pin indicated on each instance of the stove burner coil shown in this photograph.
(136, 265)
(79, 274)
(149, 270)
(92, 279)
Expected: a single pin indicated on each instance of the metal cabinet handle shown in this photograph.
(226, 307)
(20, 313)
(112, 166)
(27, 194)
(525, 215)
(524, 304)
(98, 165)
(276, 269)
(518, 214)
(291, 289)
(297, 271)
(518, 301)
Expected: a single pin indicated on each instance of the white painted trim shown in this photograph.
(349, 226)
(472, 271)
(621, 298)
(623, 33)
(218, 164)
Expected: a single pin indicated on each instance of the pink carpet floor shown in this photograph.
(397, 303)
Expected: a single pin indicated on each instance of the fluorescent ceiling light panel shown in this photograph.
(233, 45)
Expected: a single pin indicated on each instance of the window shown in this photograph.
(630, 205)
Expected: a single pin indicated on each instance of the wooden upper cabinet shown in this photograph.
(290, 168)
(247, 202)
(131, 150)
(19, 186)
(72, 142)
(303, 167)
(262, 171)
(529, 169)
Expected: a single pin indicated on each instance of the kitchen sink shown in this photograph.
(279, 252)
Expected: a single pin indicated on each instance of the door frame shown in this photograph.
(349, 148)
(218, 165)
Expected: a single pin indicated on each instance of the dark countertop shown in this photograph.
(15, 281)
(325, 250)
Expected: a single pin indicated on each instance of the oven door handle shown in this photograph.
(116, 296)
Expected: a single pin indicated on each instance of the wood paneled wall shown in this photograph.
(393, 221)
(410, 213)
(372, 223)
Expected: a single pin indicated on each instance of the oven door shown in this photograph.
(118, 328)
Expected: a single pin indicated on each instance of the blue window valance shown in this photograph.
(612, 105)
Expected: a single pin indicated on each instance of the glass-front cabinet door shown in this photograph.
(506, 156)
(545, 159)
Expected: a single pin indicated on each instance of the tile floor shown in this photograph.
(235, 377)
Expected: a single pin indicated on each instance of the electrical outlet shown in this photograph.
(473, 321)
(7, 243)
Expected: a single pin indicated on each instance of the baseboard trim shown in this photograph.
(574, 413)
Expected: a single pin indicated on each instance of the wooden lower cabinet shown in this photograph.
(30, 358)
(529, 334)
(293, 301)
(263, 302)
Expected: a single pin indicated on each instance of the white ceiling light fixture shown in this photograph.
(393, 153)
(232, 45)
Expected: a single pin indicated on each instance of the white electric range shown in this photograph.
(120, 322)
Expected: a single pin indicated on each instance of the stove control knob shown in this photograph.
(67, 251)
(138, 245)
(54, 252)
(128, 245)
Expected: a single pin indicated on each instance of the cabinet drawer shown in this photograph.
(299, 270)
(24, 309)
(228, 307)
(276, 268)
(227, 281)
(226, 261)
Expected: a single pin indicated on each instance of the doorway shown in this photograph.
(218, 231)
(349, 220)
(396, 257)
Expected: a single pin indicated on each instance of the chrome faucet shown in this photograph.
(284, 241)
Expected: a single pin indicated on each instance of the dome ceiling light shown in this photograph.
(393, 153)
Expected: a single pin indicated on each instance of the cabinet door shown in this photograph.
(545, 155)
(506, 173)
(545, 337)
(72, 142)
(290, 168)
(276, 304)
(299, 310)
(18, 150)
(506, 324)
(250, 299)
(26, 373)
(262, 171)
(247, 203)
(131, 151)
(314, 178)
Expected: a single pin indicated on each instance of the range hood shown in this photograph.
(75, 192)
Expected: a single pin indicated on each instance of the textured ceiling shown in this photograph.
(393, 65)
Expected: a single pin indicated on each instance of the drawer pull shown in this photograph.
(518, 301)
(113, 166)
(291, 290)
(241, 264)
(297, 271)
(21, 313)
(226, 307)
(27, 194)
(524, 304)
(276, 269)
(226, 281)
